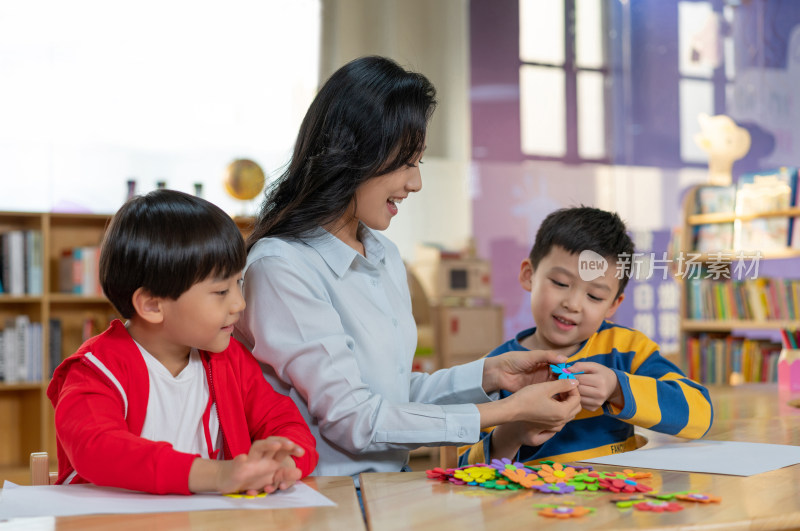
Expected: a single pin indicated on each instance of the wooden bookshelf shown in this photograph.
(26, 417)
(689, 326)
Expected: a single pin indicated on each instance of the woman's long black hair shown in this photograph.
(368, 119)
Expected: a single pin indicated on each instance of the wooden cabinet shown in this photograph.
(466, 333)
(26, 416)
(722, 302)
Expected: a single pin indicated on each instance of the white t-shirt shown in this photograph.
(176, 405)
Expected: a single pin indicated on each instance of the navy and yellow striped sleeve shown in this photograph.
(658, 396)
(477, 453)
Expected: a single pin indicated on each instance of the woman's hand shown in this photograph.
(516, 369)
(598, 385)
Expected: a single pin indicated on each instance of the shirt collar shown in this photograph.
(339, 256)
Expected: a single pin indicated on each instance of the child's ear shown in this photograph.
(615, 305)
(147, 306)
(526, 274)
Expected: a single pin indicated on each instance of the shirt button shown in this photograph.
(394, 322)
(461, 432)
(374, 282)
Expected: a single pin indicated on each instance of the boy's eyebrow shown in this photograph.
(596, 283)
(601, 285)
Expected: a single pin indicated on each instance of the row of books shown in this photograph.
(758, 299)
(21, 262)
(78, 271)
(753, 194)
(731, 360)
(21, 351)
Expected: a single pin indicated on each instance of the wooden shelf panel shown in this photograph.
(20, 299)
(697, 325)
(74, 298)
(728, 217)
(732, 256)
(20, 386)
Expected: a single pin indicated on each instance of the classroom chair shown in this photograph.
(40, 469)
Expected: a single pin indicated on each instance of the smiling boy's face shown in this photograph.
(566, 308)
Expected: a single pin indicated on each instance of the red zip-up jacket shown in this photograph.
(100, 396)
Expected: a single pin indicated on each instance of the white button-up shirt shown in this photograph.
(334, 331)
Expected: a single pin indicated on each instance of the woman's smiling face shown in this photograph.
(377, 199)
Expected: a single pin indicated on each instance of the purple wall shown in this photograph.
(513, 193)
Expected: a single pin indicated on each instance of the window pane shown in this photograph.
(589, 48)
(728, 45)
(695, 97)
(542, 115)
(591, 115)
(108, 90)
(698, 39)
(541, 31)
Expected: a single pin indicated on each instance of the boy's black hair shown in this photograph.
(368, 119)
(584, 228)
(165, 242)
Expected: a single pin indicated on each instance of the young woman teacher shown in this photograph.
(328, 307)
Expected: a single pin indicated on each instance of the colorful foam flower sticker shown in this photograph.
(658, 506)
(563, 371)
(632, 474)
(557, 473)
(698, 497)
(500, 484)
(521, 476)
(475, 474)
(437, 473)
(248, 496)
(666, 495)
(554, 488)
(564, 511)
(623, 485)
(505, 463)
(584, 481)
(627, 500)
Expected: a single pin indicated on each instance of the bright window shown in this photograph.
(95, 92)
(563, 73)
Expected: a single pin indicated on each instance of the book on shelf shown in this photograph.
(13, 250)
(78, 271)
(54, 348)
(21, 350)
(729, 359)
(33, 262)
(761, 193)
(757, 299)
(21, 262)
(711, 199)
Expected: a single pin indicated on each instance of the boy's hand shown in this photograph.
(265, 468)
(516, 369)
(508, 438)
(598, 385)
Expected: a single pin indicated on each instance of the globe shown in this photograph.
(244, 179)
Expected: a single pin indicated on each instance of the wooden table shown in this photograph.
(752, 413)
(345, 515)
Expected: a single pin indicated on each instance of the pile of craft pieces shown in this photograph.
(556, 478)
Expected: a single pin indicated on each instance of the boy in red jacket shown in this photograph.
(168, 402)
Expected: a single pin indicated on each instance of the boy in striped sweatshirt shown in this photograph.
(576, 274)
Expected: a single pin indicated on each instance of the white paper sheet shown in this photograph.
(67, 500)
(710, 457)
